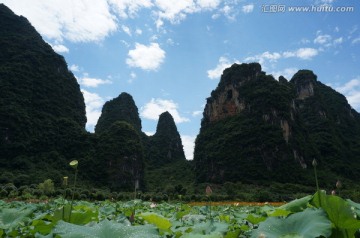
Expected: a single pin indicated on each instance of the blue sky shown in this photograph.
(169, 54)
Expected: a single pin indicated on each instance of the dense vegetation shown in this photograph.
(270, 141)
(42, 111)
(122, 108)
(319, 215)
(279, 128)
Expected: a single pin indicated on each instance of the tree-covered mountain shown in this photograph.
(122, 108)
(255, 128)
(163, 152)
(165, 145)
(42, 111)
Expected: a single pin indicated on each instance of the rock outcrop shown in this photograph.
(257, 128)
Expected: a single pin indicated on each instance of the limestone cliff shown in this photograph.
(257, 128)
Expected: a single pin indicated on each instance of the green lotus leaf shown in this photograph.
(307, 224)
(11, 217)
(297, 205)
(159, 221)
(338, 210)
(210, 228)
(104, 229)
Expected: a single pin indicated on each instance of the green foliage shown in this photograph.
(47, 187)
(306, 224)
(104, 229)
(165, 145)
(339, 212)
(136, 218)
(278, 130)
(159, 221)
(119, 157)
(42, 110)
(122, 108)
(11, 217)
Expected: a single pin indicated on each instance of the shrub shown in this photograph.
(3, 193)
(47, 187)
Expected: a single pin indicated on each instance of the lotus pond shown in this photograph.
(318, 215)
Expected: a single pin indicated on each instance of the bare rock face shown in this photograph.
(225, 100)
(226, 104)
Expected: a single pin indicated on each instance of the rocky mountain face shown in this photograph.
(256, 128)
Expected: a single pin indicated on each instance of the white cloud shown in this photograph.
(248, 8)
(338, 41)
(93, 104)
(208, 4)
(304, 41)
(138, 31)
(351, 90)
(77, 21)
(287, 73)
(196, 113)
(74, 68)
(129, 8)
(60, 49)
(322, 39)
(149, 133)
(126, 29)
(132, 77)
(189, 145)
(155, 107)
(170, 41)
(228, 12)
(218, 70)
(125, 43)
(302, 53)
(92, 82)
(266, 56)
(356, 40)
(146, 57)
(175, 11)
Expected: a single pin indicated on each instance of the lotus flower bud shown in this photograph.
(65, 180)
(208, 191)
(314, 163)
(74, 164)
(333, 192)
(338, 184)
